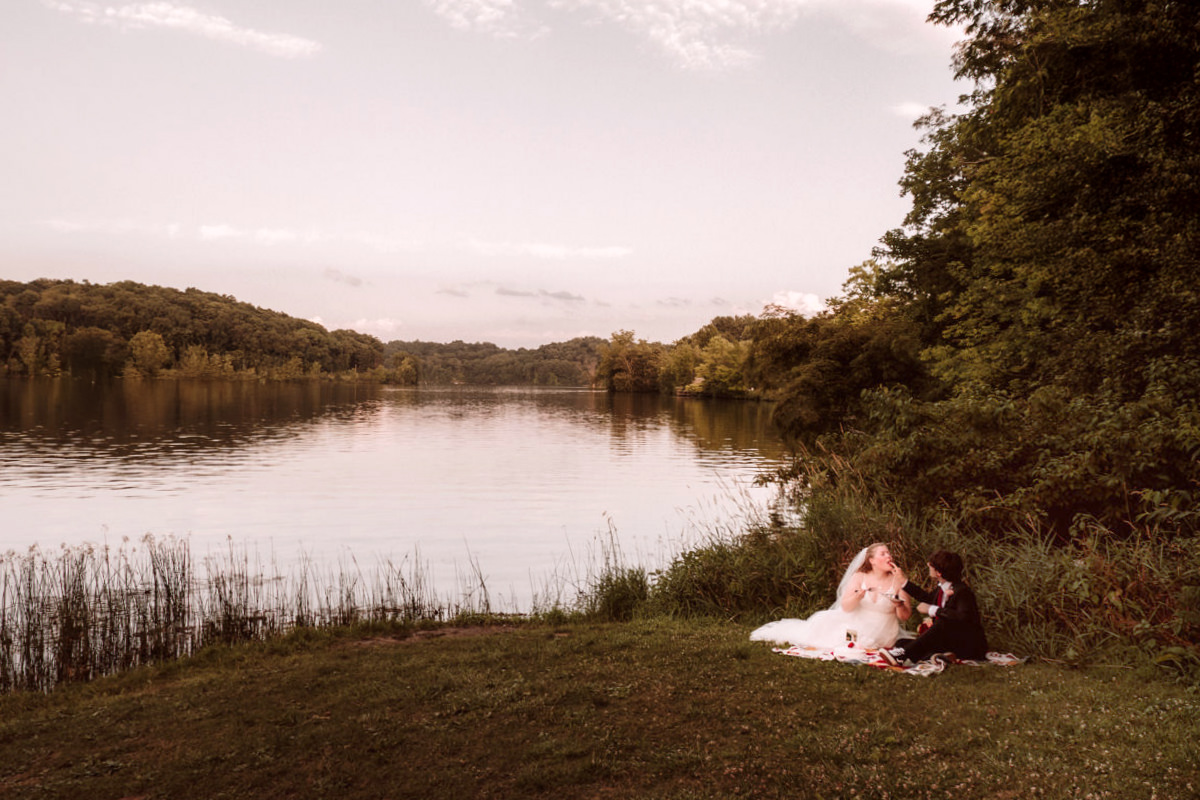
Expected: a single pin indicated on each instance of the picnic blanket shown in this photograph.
(932, 666)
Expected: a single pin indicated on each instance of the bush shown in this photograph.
(618, 594)
(1129, 596)
(771, 570)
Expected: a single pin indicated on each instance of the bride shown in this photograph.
(870, 606)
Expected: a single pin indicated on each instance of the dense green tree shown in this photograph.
(570, 363)
(149, 352)
(406, 369)
(45, 322)
(28, 350)
(732, 329)
(1054, 227)
(1049, 273)
(94, 352)
(38, 350)
(628, 364)
(721, 367)
(677, 371)
(818, 368)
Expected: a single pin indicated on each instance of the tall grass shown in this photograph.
(1103, 597)
(769, 566)
(599, 584)
(83, 612)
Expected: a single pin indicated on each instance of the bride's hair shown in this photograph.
(870, 553)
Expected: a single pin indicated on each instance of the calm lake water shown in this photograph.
(520, 484)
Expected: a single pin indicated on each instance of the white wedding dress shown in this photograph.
(872, 625)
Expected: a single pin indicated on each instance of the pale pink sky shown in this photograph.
(513, 171)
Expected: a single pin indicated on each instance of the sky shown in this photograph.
(511, 171)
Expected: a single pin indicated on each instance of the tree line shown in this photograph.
(570, 363)
(56, 327)
(51, 327)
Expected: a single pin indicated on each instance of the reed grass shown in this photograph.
(83, 612)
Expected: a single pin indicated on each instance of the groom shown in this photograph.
(954, 612)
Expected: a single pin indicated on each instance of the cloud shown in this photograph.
(302, 237)
(698, 34)
(381, 327)
(141, 16)
(556, 252)
(275, 236)
(805, 303)
(337, 276)
(211, 232)
(503, 19)
(268, 237)
(675, 302)
(898, 26)
(376, 327)
(910, 110)
(567, 296)
(454, 292)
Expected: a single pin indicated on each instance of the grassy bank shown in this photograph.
(78, 614)
(649, 708)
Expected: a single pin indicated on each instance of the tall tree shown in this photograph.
(1051, 261)
(149, 352)
(628, 364)
(1055, 229)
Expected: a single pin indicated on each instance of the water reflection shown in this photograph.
(510, 477)
(134, 416)
(171, 418)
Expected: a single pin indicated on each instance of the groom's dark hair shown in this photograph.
(949, 564)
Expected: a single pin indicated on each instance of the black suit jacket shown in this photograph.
(957, 628)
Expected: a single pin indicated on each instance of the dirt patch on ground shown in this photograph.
(449, 632)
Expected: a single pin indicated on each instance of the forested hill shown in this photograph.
(571, 363)
(52, 327)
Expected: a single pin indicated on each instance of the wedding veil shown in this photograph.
(855, 564)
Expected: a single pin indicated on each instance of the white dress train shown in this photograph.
(873, 624)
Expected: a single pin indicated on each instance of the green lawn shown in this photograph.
(644, 709)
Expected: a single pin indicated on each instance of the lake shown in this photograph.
(516, 484)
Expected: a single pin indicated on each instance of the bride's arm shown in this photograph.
(903, 601)
(854, 593)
